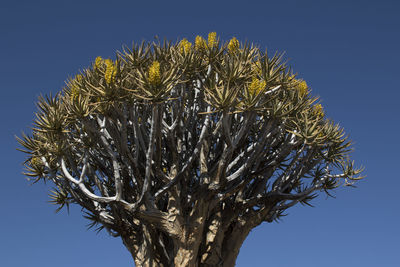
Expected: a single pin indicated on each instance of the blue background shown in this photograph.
(347, 51)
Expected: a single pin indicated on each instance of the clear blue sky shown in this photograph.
(347, 51)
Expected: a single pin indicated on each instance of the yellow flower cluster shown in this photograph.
(98, 63)
(185, 46)
(200, 43)
(74, 92)
(78, 77)
(212, 39)
(233, 45)
(318, 110)
(154, 73)
(35, 161)
(111, 71)
(302, 87)
(74, 86)
(256, 86)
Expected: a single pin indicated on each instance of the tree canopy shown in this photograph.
(181, 149)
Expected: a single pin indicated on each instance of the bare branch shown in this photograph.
(82, 187)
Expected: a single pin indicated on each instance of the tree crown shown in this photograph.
(220, 116)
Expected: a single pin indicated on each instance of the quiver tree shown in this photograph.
(182, 149)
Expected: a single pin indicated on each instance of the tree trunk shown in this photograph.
(206, 236)
(145, 251)
(217, 247)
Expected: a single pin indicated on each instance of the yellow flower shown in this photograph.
(185, 46)
(212, 39)
(74, 92)
(111, 71)
(154, 73)
(256, 86)
(79, 77)
(74, 86)
(302, 87)
(233, 45)
(36, 161)
(318, 110)
(98, 63)
(200, 43)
